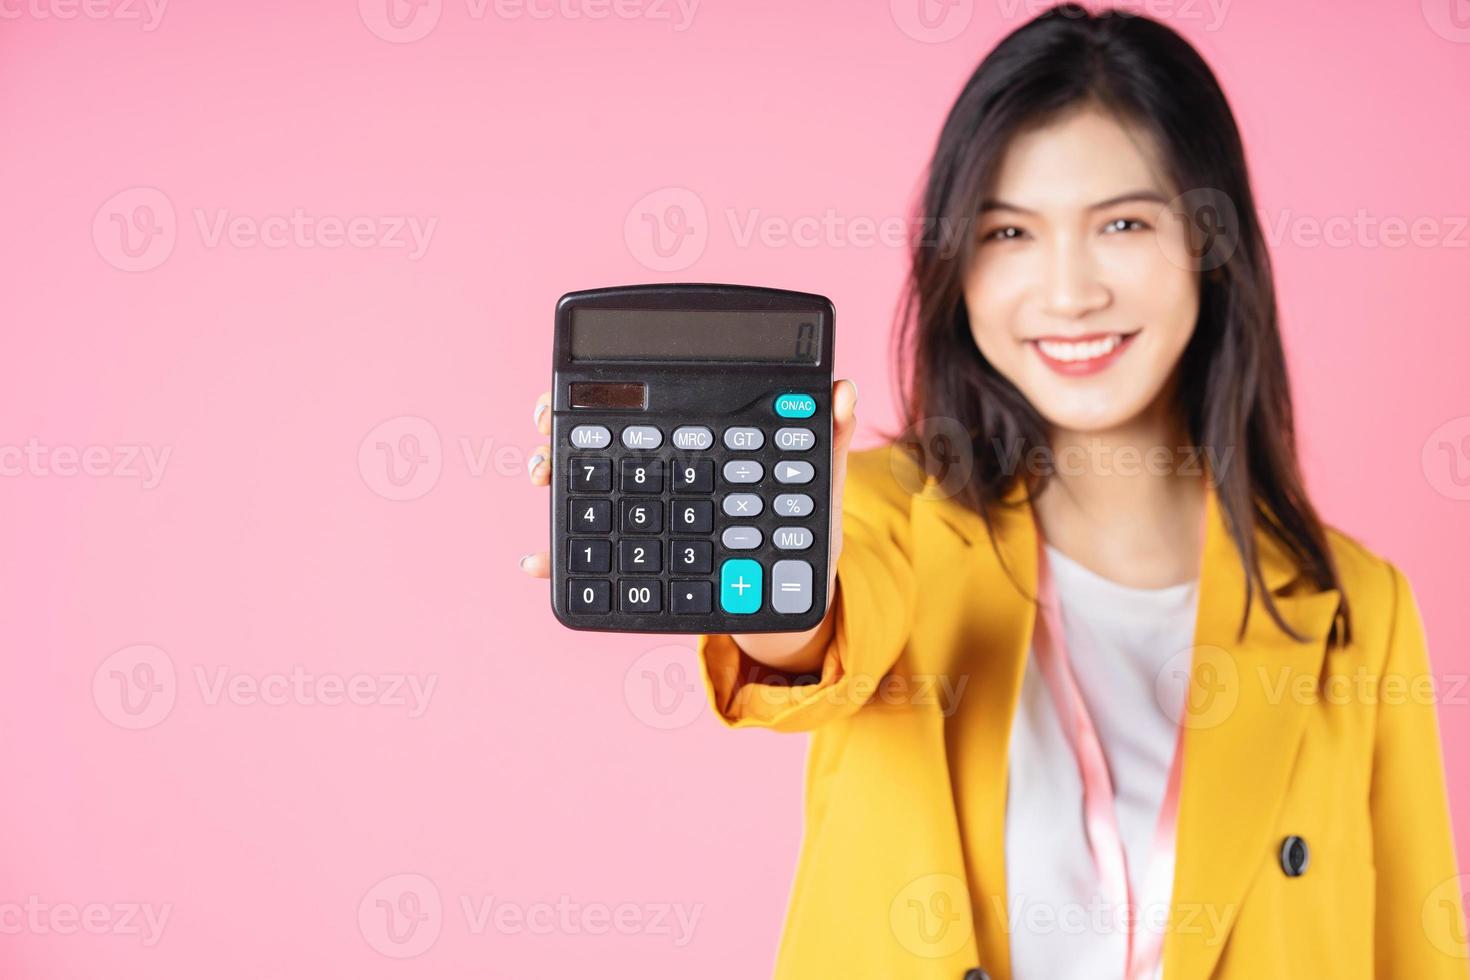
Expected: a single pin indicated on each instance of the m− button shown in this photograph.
(642, 437)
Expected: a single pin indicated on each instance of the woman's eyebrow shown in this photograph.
(990, 204)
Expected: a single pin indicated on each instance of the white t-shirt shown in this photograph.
(1121, 640)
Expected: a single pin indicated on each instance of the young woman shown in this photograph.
(1098, 694)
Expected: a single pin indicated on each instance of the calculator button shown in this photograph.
(792, 505)
(589, 596)
(692, 516)
(743, 471)
(740, 585)
(695, 437)
(738, 537)
(792, 538)
(691, 557)
(636, 555)
(642, 437)
(590, 474)
(796, 406)
(640, 595)
(590, 556)
(590, 437)
(792, 440)
(691, 597)
(744, 437)
(642, 476)
(797, 471)
(642, 516)
(742, 504)
(697, 476)
(791, 586)
(589, 516)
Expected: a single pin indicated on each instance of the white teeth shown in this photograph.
(1062, 351)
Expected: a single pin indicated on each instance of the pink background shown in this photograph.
(548, 766)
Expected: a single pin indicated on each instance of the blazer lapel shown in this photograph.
(1242, 727)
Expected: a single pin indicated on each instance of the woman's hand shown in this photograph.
(795, 652)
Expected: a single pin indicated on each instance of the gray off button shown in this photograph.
(799, 471)
(791, 586)
(794, 440)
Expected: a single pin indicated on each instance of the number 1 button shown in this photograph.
(740, 585)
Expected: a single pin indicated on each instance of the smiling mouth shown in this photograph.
(1079, 350)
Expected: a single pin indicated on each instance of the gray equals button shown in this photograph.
(791, 586)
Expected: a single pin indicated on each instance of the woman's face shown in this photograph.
(1081, 292)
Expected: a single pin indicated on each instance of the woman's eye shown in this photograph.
(1115, 224)
(1005, 234)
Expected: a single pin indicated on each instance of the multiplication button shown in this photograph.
(742, 504)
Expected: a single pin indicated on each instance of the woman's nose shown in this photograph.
(1072, 287)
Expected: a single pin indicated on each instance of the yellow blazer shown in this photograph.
(902, 870)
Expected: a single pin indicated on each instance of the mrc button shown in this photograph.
(796, 406)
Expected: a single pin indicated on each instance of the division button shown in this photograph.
(695, 437)
(794, 471)
(740, 585)
(743, 471)
(590, 437)
(791, 586)
(642, 437)
(738, 537)
(792, 505)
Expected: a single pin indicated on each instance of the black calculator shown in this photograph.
(691, 459)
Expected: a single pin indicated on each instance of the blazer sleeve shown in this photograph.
(873, 606)
(1420, 918)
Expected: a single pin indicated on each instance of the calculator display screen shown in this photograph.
(707, 335)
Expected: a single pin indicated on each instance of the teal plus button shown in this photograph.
(740, 585)
(796, 406)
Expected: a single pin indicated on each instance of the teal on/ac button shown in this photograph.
(796, 406)
(740, 585)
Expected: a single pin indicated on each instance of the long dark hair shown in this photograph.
(1232, 390)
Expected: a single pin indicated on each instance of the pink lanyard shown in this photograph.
(1103, 836)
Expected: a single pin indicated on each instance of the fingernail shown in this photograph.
(854, 390)
(536, 418)
(534, 462)
(524, 559)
